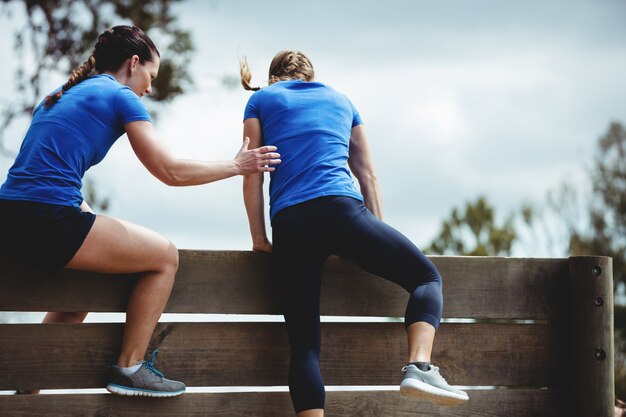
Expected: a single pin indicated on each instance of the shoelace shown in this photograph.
(436, 369)
(150, 364)
(432, 368)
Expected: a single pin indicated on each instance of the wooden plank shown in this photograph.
(240, 354)
(494, 403)
(235, 282)
(591, 387)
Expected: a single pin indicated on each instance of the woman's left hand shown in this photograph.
(252, 161)
(264, 246)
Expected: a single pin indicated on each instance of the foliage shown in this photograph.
(61, 33)
(599, 227)
(476, 225)
(607, 216)
(606, 232)
(596, 225)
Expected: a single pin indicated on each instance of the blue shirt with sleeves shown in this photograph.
(65, 140)
(310, 124)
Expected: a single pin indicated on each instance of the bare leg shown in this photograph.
(144, 309)
(311, 413)
(58, 317)
(421, 336)
(116, 246)
(426, 384)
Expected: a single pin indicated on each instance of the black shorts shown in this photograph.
(46, 236)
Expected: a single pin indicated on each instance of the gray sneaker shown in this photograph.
(430, 385)
(147, 382)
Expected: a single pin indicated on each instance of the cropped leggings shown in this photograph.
(304, 235)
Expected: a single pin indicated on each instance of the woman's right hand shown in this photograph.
(252, 161)
(262, 246)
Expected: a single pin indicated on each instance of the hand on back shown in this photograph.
(252, 161)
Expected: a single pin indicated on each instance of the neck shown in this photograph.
(120, 75)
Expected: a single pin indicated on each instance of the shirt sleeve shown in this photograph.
(252, 109)
(356, 117)
(129, 107)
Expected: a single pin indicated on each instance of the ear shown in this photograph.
(133, 62)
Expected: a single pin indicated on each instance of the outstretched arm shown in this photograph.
(253, 192)
(360, 162)
(161, 163)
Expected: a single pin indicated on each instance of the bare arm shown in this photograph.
(253, 192)
(161, 163)
(361, 165)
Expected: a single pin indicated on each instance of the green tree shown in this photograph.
(592, 217)
(59, 34)
(606, 231)
(474, 232)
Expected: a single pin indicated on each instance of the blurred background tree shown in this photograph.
(601, 227)
(58, 35)
(606, 220)
(581, 218)
(473, 232)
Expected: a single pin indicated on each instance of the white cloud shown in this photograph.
(505, 100)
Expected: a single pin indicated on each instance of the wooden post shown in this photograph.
(591, 367)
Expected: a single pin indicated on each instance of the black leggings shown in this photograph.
(303, 237)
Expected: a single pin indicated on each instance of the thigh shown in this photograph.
(383, 250)
(45, 235)
(299, 281)
(298, 263)
(118, 246)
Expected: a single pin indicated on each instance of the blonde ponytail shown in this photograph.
(286, 65)
(246, 75)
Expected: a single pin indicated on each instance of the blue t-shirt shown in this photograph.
(310, 124)
(65, 140)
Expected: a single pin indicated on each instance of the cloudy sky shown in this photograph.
(460, 99)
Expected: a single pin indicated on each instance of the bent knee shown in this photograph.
(173, 259)
(169, 260)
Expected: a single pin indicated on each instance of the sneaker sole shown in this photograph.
(135, 392)
(417, 389)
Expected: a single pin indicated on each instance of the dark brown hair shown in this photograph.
(114, 46)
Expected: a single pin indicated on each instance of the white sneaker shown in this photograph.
(430, 385)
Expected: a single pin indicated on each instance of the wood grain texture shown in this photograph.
(243, 354)
(570, 298)
(591, 388)
(234, 282)
(496, 403)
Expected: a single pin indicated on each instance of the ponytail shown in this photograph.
(114, 46)
(246, 75)
(286, 65)
(78, 75)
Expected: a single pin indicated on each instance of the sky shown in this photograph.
(460, 99)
